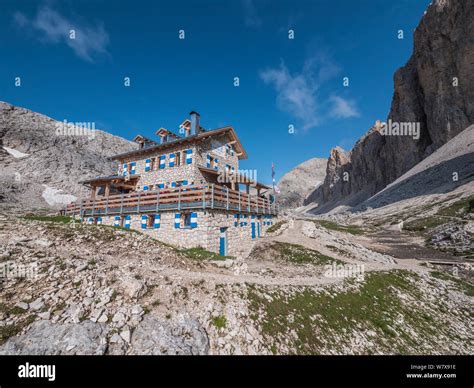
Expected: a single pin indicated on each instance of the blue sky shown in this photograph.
(283, 81)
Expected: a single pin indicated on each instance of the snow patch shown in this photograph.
(54, 196)
(15, 153)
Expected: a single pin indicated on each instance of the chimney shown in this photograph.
(194, 123)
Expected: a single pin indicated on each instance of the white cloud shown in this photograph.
(295, 93)
(89, 41)
(251, 17)
(299, 94)
(342, 108)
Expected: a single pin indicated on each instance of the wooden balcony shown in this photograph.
(180, 198)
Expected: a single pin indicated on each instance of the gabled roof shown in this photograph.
(165, 132)
(143, 139)
(239, 149)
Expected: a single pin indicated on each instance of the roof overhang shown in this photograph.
(102, 180)
(240, 151)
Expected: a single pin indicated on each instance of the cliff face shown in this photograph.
(435, 89)
(296, 184)
(41, 167)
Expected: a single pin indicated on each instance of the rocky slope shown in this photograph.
(41, 167)
(86, 293)
(297, 183)
(435, 89)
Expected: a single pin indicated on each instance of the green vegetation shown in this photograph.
(200, 254)
(352, 229)
(59, 219)
(11, 330)
(458, 208)
(323, 320)
(425, 223)
(339, 251)
(298, 254)
(461, 285)
(220, 322)
(276, 227)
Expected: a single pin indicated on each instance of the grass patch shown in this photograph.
(220, 322)
(201, 254)
(352, 229)
(58, 219)
(425, 223)
(298, 254)
(8, 331)
(458, 208)
(462, 285)
(324, 320)
(276, 227)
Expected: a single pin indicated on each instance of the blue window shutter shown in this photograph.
(124, 169)
(128, 221)
(177, 220)
(157, 222)
(145, 188)
(171, 160)
(147, 164)
(185, 183)
(208, 165)
(161, 185)
(173, 184)
(133, 164)
(236, 219)
(144, 221)
(216, 164)
(162, 161)
(99, 220)
(189, 156)
(194, 222)
(117, 221)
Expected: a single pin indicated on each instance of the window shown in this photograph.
(151, 221)
(122, 221)
(177, 159)
(151, 187)
(186, 219)
(152, 164)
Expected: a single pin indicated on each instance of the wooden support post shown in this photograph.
(93, 191)
(107, 206)
(158, 200)
(227, 191)
(204, 190)
(239, 202)
(179, 198)
(121, 203)
(248, 202)
(107, 190)
(138, 206)
(212, 197)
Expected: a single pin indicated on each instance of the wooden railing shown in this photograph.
(184, 197)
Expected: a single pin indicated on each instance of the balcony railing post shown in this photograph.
(239, 202)
(204, 190)
(93, 207)
(158, 200)
(227, 205)
(107, 206)
(212, 197)
(121, 203)
(248, 202)
(179, 198)
(138, 206)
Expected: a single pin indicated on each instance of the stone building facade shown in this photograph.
(183, 190)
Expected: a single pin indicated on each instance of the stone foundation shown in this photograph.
(205, 234)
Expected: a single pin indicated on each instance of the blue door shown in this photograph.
(253, 229)
(223, 242)
(258, 229)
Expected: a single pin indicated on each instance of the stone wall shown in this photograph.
(207, 232)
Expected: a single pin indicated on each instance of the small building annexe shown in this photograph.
(184, 190)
